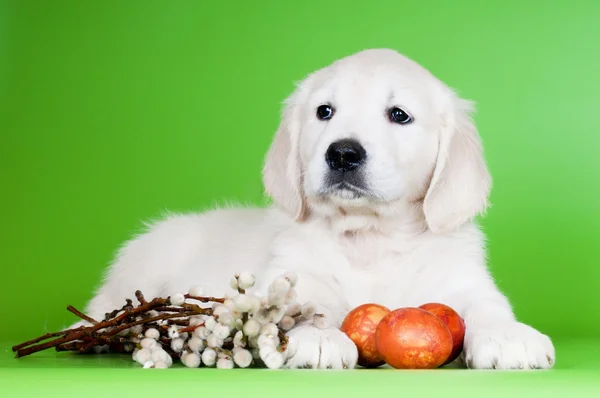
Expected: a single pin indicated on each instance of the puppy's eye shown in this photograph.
(397, 115)
(325, 112)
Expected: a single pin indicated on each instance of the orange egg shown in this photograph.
(360, 325)
(412, 338)
(455, 324)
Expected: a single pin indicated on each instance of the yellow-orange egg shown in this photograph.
(360, 325)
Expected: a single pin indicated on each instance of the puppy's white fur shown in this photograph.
(410, 240)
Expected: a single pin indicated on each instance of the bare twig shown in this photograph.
(81, 315)
(43, 337)
(140, 297)
(205, 299)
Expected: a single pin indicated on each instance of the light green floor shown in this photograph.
(46, 374)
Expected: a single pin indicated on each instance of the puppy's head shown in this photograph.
(376, 130)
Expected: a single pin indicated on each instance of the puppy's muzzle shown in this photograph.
(345, 155)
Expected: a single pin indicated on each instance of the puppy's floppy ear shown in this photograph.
(282, 173)
(461, 183)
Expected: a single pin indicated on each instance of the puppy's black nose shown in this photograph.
(345, 155)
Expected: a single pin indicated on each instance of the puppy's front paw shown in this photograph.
(314, 348)
(508, 346)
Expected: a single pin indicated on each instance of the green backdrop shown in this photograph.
(114, 111)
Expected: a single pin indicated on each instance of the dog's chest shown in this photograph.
(379, 271)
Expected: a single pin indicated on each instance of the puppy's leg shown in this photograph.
(128, 273)
(495, 339)
(149, 262)
(318, 346)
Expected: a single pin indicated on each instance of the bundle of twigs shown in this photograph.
(118, 329)
(241, 330)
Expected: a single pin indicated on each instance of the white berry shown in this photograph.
(269, 329)
(294, 309)
(242, 303)
(273, 360)
(191, 359)
(225, 363)
(196, 291)
(221, 331)
(177, 344)
(228, 303)
(227, 319)
(148, 343)
(246, 280)
(238, 339)
(234, 283)
(275, 314)
(287, 322)
(201, 332)
(243, 358)
(290, 296)
(177, 299)
(265, 340)
(220, 310)
(214, 342)
(173, 332)
(142, 356)
(251, 328)
(209, 357)
(160, 355)
(280, 286)
(152, 334)
(195, 344)
(309, 310)
(210, 323)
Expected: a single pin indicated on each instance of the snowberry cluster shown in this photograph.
(244, 329)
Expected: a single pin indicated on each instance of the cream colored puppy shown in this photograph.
(377, 172)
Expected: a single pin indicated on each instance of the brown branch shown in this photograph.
(179, 322)
(183, 308)
(140, 297)
(68, 336)
(83, 339)
(112, 314)
(64, 339)
(142, 321)
(169, 309)
(80, 346)
(81, 315)
(71, 346)
(205, 299)
(44, 337)
(190, 329)
(126, 326)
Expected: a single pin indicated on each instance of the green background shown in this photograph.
(112, 112)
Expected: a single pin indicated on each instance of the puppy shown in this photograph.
(376, 172)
